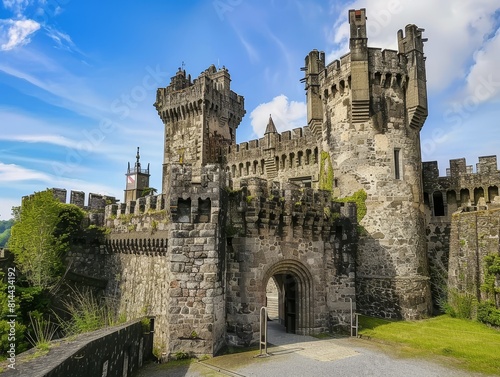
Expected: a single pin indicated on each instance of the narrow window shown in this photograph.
(397, 170)
(204, 210)
(184, 210)
(438, 203)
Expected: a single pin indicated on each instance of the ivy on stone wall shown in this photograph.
(325, 172)
(359, 197)
(488, 311)
(491, 271)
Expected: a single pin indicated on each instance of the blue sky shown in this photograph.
(78, 78)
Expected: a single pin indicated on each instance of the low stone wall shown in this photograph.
(110, 352)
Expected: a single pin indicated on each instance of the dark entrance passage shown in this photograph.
(287, 301)
(290, 288)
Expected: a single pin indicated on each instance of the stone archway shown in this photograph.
(295, 284)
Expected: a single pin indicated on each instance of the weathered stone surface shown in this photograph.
(232, 217)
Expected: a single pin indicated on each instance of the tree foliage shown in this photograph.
(41, 236)
(5, 226)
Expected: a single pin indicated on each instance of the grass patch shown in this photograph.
(465, 344)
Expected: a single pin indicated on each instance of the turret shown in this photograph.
(412, 46)
(360, 89)
(315, 63)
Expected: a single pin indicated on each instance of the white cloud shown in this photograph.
(15, 173)
(63, 40)
(483, 80)
(455, 29)
(11, 174)
(49, 139)
(286, 115)
(16, 6)
(16, 33)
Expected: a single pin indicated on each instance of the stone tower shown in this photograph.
(373, 104)
(137, 180)
(200, 118)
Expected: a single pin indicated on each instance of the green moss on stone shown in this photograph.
(359, 197)
(325, 172)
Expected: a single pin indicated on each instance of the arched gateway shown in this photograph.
(295, 295)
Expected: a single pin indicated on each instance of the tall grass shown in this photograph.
(41, 331)
(461, 305)
(86, 313)
(462, 343)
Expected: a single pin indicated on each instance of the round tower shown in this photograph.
(374, 104)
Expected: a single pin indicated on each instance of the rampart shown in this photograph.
(112, 352)
(461, 189)
(461, 186)
(95, 201)
(287, 156)
(95, 204)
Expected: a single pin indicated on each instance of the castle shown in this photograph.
(334, 212)
(239, 215)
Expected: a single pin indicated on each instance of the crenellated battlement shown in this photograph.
(136, 207)
(96, 202)
(486, 166)
(211, 90)
(286, 210)
(290, 155)
(287, 140)
(461, 187)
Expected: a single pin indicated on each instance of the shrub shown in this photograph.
(488, 313)
(181, 355)
(21, 343)
(461, 305)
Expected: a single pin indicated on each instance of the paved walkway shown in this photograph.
(294, 355)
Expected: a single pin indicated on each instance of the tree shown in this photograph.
(41, 236)
(149, 191)
(5, 226)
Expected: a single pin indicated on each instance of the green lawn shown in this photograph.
(466, 344)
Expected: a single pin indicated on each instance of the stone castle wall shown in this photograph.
(284, 232)
(443, 196)
(289, 156)
(475, 234)
(461, 186)
(170, 251)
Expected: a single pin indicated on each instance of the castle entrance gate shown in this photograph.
(294, 290)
